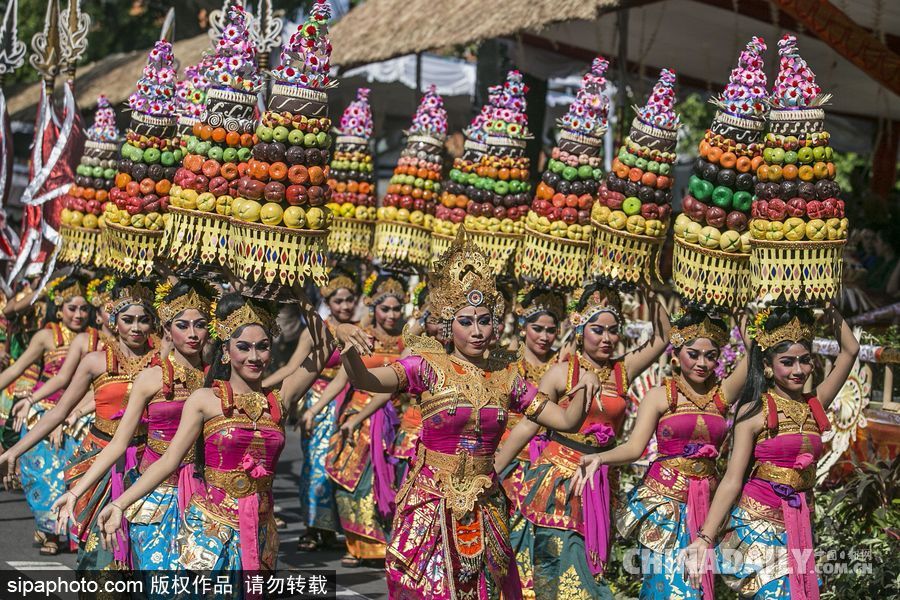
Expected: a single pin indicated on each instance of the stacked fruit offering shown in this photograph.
(631, 215)
(282, 189)
(413, 189)
(352, 181)
(712, 234)
(798, 226)
(150, 154)
(190, 96)
(459, 193)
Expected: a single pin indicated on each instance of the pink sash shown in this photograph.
(697, 509)
(595, 503)
(116, 489)
(802, 575)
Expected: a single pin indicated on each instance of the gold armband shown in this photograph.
(535, 407)
(402, 377)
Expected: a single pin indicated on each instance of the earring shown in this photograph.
(226, 358)
(676, 363)
(768, 373)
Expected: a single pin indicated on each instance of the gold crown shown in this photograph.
(793, 331)
(600, 300)
(387, 287)
(248, 314)
(60, 296)
(170, 309)
(461, 277)
(679, 336)
(333, 285)
(137, 293)
(544, 301)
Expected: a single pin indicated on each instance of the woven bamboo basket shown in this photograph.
(439, 245)
(80, 246)
(194, 237)
(711, 277)
(268, 257)
(402, 245)
(796, 270)
(132, 251)
(625, 256)
(500, 248)
(553, 260)
(351, 237)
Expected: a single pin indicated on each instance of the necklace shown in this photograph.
(795, 410)
(389, 344)
(602, 374)
(191, 378)
(252, 404)
(699, 401)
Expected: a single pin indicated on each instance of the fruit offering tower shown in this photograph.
(94, 177)
(556, 245)
(149, 159)
(459, 193)
(711, 260)
(190, 96)
(798, 228)
(631, 215)
(403, 227)
(220, 139)
(279, 219)
(352, 182)
(496, 213)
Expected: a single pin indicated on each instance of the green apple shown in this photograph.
(280, 133)
(167, 158)
(215, 153)
(244, 154)
(631, 206)
(264, 133)
(230, 154)
(295, 137)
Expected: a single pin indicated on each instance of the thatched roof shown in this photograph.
(115, 76)
(382, 29)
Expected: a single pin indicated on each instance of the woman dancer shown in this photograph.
(160, 390)
(41, 468)
(688, 413)
(777, 435)
(110, 373)
(234, 426)
(570, 541)
(359, 464)
(450, 533)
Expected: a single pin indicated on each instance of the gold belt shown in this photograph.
(237, 482)
(107, 426)
(160, 447)
(799, 479)
(461, 477)
(691, 467)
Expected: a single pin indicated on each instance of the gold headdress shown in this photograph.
(137, 293)
(679, 336)
(388, 286)
(60, 296)
(250, 313)
(336, 283)
(793, 331)
(169, 309)
(98, 290)
(462, 277)
(601, 300)
(540, 301)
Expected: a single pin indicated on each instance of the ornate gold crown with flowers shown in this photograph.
(336, 283)
(792, 331)
(462, 277)
(679, 336)
(250, 313)
(137, 293)
(60, 296)
(98, 290)
(388, 286)
(542, 301)
(169, 309)
(600, 300)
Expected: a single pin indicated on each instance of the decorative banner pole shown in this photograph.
(12, 56)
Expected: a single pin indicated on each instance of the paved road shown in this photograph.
(18, 551)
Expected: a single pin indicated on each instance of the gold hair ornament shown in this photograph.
(793, 331)
(60, 296)
(462, 277)
(336, 283)
(545, 301)
(679, 336)
(169, 309)
(387, 288)
(600, 300)
(250, 313)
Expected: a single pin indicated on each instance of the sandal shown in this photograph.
(280, 523)
(50, 546)
(308, 542)
(39, 537)
(348, 561)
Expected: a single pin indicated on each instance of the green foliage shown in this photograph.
(858, 526)
(695, 114)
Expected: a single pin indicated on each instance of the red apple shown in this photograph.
(585, 201)
(558, 200)
(650, 211)
(736, 221)
(569, 215)
(500, 212)
(715, 216)
(316, 195)
(776, 210)
(796, 207)
(814, 209)
(218, 186)
(274, 191)
(457, 215)
(759, 209)
(584, 217)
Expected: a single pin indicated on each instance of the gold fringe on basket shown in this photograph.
(439, 245)
(351, 237)
(807, 269)
(193, 236)
(402, 244)
(131, 250)
(80, 246)
(552, 259)
(625, 256)
(711, 276)
(501, 248)
(280, 255)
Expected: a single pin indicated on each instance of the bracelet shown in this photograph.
(705, 538)
(117, 506)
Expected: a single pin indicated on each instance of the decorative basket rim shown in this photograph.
(580, 138)
(428, 139)
(112, 146)
(474, 145)
(801, 245)
(622, 233)
(237, 224)
(754, 125)
(81, 229)
(648, 129)
(797, 114)
(351, 139)
(553, 238)
(197, 214)
(498, 140)
(137, 231)
(736, 256)
(500, 234)
(165, 121)
(296, 91)
(401, 223)
(352, 220)
(224, 93)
